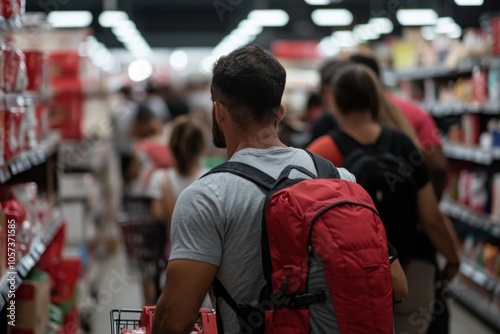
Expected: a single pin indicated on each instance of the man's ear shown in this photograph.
(220, 111)
(281, 113)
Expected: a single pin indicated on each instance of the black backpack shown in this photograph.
(387, 177)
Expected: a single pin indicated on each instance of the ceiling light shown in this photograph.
(469, 2)
(124, 32)
(327, 47)
(318, 2)
(428, 33)
(109, 18)
(179, 60)
(455, 32)
(332, 17)
(382, 25)
(140, 70)
(207, 64)
(133, 35)
(445, 25)
(70, 19)
(269, 17)
(249, 31)
(344, 39)
(417, 17)
(365, 32)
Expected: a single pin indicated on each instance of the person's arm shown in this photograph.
(197, 242)
(168, 202)
(187, 285)
(438, 227)
(399, 282)
(437, 165)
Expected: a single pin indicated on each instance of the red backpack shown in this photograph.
(317, 217)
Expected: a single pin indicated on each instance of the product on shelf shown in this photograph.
(495, 31)
(27, 194)
(470, 125)
(495, 199)
(11, 14)
(36, 68)
(494, 84)
(12, 211)
(2, 134)
(464, 180)
(30, 125)
(15, 79)
(32, 300)
(13, 132)
(478, 195)
(479, 85)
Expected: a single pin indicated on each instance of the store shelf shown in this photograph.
(30, 259)
(480, 277)
(29, 159)
(441, 71)
(471, 154)
(459, 108)
(465, 215)
(477, 305)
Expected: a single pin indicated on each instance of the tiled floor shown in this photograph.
(119, 291)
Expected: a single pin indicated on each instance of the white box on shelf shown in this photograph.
(76, 185)
(74, 215)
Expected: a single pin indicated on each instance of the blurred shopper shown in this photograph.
(187, 143)
(391, 167)
(424, 127)
(314, 109)
(122, 119)
(428, 135)
(156, 102)
(149, 153)
(217, 221)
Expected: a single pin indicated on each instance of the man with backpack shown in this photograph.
(286, 252)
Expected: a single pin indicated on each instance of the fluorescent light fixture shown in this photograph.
(317, 2)
(365, 32)
(124, 32)
(428, 33)
(269, 17)
(382, 25)
(344, 39)
(132, 36)
(207, 64)
(179, 60)
(455, 32)
(140, 70)
(70, 19)
(249, 31)
(469, 2)
(332, 17)
(327, 47)
(109, 18)
(127, 24)
(445, 25)
(417, 17)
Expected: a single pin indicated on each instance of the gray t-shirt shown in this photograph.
(218, 220)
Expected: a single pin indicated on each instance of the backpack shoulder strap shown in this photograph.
(250, 173)
(324, 168)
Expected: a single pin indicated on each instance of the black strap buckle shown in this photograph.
(305, 299)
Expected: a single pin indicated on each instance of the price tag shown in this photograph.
(40, 248)
(4, 174)
(29, 264)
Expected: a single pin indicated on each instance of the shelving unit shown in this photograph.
(29, 159)
(438, 109)
(480, 277)
(470, 154)
(27, 263)
(475, 304)
(483, 222)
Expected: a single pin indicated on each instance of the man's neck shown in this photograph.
(261, 139)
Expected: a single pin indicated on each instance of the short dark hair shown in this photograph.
(250, 82)
(314, 100)
(355, 89)
(368, 61)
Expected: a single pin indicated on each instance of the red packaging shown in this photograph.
(470, 124)
(14, 71)
(52, 257)
(66, 113)
(495, 31)
(14, 135)
(12, 12)
(30, 125)
(64, 64)
(42, 121)
(479, 85)
(71, 322)
(65, 279)
(36, 69)
(13, 211)
(2, 134)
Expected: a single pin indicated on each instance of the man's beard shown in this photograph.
(217, 135)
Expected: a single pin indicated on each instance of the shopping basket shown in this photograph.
(131, 319)
(144, 239)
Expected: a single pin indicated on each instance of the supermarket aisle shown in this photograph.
(117, 290)
(463, 322)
